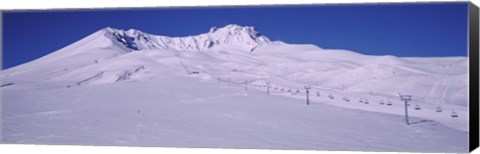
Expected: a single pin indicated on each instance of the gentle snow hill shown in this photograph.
(185, 111)
(236, 55)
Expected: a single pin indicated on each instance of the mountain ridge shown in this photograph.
(239, 37)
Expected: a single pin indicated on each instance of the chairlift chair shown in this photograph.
(382, 102)
(295, 93)
(318, 94)
(331, 96)
(389, 103)
(438, 109)
(366, 101)
(417, 107)
(454, 114)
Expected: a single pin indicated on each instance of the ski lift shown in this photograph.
(289, 90)
(361, 100)
(194, 72)
(417, 107)
(296, 92)
(331, 96)
(365, 101)
(382, 102)
(454, 114)
(438, 109)
(346, 99)
(275, 88)
(389, 103)
(318, 94)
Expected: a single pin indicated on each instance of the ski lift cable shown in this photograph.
(286, 89)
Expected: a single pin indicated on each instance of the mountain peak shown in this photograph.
(232, 36)
(237, 29)
(213, 29)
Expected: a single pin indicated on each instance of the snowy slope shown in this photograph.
(186, 112)
(116, 69)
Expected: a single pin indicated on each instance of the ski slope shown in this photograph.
(207, 114)
(117, 87)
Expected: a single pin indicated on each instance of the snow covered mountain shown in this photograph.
(104, 64)
(111, 55)
(228, 37)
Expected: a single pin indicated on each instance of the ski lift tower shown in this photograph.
(307, 88)
(406, 99)
(268, 88)
(246, 85)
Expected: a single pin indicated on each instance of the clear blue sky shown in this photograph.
(419, 30)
